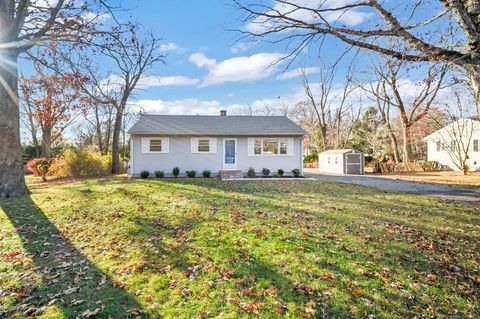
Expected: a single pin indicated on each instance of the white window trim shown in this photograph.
(288, 140)
(146, 145)
(212, 145)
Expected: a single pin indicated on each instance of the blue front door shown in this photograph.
(230, 154)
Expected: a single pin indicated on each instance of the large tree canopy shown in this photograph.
(24, 24)
(422, 30)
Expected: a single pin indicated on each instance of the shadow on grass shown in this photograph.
(68, 279)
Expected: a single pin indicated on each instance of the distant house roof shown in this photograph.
(460, 126)
(215, 125)
(340, 151)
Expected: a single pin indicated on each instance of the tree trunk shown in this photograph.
(46, 142)
(117, 129)
(394, 142)
(407, 144)
(12, 181)
(473, 72)
(98, 131)
(323, 130)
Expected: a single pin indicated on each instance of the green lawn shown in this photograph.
(209, 249)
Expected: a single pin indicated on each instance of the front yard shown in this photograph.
(210, 249)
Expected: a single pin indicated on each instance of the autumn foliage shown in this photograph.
(40, 167)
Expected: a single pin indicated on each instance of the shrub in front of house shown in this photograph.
(192, 173)
(251, 172)
(265, 172)
(281, 172)
(296, 172)
(206, 173)
(159, 174)
(176, 171)
(76, 162)
(144, 174)
(40, 167)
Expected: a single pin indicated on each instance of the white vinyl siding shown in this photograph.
(155, 144)
(203, 145)
(266, 146)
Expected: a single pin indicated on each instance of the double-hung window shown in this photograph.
(439, 146)
(155, 144)
(203, 145)
(476, 146)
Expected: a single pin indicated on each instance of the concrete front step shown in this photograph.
(231, 174)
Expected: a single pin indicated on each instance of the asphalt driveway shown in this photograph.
(470, 195)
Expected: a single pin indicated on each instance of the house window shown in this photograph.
(439, 146)
(328, 160)
(155, 145)
(283, 147)
(257, 147)
(270, 147)
(476, 145)
(204, 145)
(336, 160)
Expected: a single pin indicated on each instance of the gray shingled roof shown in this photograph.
(215, 125)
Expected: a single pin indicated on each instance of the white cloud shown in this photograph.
(171, 47)
(181, 106)
(349, 17)
(177, 80)
(238, 69)
(114, 82)
(201, 61)
(297, 73)
(240, 47)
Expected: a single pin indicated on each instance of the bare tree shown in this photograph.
(430, 30)
(25, 23)
(379, 94)
(131, 53)
(391, 78)
(330, 106)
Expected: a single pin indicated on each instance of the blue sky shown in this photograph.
(205, 68)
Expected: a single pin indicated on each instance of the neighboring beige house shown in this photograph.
(455, 144)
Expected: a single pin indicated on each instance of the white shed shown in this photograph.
(348, 161)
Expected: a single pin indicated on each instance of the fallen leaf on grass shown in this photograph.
(90, 313)
(76, 302)
(71, 290)
(359, 292)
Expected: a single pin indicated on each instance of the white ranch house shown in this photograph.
(215, 143)
(460, 137)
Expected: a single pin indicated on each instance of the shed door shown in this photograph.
(353, 163)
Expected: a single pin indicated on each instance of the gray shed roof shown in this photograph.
(215, 125)
(340, 151)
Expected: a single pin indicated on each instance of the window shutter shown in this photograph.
(251, 146)
(165, 145)
(194, 145)
(213, 145)
(290, 146)
(145, 145)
